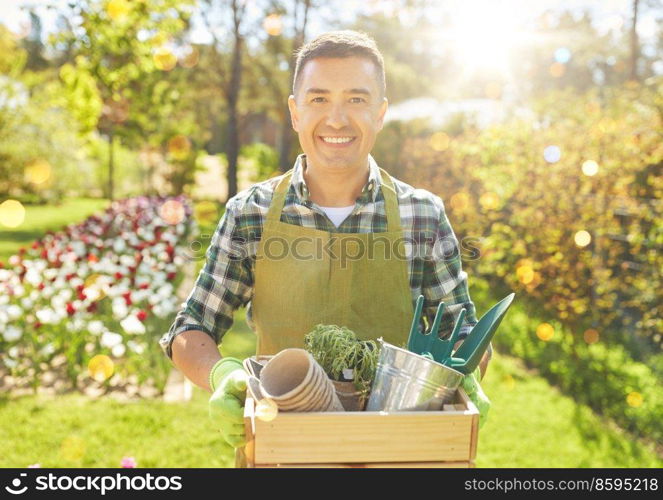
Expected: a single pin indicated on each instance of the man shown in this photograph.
(323, 243)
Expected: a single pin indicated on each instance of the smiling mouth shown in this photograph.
(337, 140)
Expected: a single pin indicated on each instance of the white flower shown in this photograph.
(14, 260)
(4, 275)
(67, 294)
(110, 339)
(12, 333)
(165, 291)
(13, 352)
(46, 316)
(10, 363)
(34, 296)
(118, 350)
(50, 273)
(33, 277)
(132, 325)
(47, 350)
(58, 302)
(75, 281)
(47, 292)
(119, 246)
(120, 310)
(136, 347)
(27, 302)
(19, 291)
(14, 312)
(4, 299)
(95, 327)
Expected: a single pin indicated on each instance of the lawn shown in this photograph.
(531, 424)
(42, 218)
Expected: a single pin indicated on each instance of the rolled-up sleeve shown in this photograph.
(444, 280)
(224, 284)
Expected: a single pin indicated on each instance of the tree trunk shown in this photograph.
(233, 122)
(286, 129)
(635, 49)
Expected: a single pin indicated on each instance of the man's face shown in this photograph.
(338, 111)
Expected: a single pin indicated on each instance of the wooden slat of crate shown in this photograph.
(385, 465)
(371, 437)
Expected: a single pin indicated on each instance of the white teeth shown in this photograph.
(337, 140)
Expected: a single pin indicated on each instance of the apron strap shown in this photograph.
(388, 191)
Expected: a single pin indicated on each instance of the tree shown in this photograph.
(125, 47)
(231, 85)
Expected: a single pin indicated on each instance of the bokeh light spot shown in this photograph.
(273, 25)
(590, 168)
(525, 274)
(12, 213)
(634, 399)
(562, 55)
(164, 59)
(591, 336)
(439, 141)
(557, 70)
(266, 410)
(172, 212)
(582, 238)
(118, 9)
(489, 200)
(545, 331)
(179, 146)
(552, 154)
(38, 171)
(100, 367)
(72, 448)
(459, 201)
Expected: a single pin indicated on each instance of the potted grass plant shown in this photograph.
(349, 362)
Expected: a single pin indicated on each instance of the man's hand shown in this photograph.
(226, 405)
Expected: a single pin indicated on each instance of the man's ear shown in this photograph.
(382, 112)
(294, 117)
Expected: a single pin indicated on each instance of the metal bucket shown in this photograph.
(407, 381)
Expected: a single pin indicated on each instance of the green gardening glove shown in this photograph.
(477, 396)
(226, 405)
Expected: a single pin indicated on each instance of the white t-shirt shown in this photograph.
(337, 214)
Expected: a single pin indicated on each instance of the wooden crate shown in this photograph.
(363, 439)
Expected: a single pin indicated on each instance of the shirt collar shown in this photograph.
(368, 193)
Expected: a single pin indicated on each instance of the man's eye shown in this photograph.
(318, 99)
(357, 99)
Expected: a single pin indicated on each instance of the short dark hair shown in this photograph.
(339, 44)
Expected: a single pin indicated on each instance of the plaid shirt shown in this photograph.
(225, 283)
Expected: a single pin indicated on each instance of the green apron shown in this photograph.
(305, 276)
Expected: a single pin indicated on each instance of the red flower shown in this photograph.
(80, 288)
(81, 296)
(70, 309)
(40, 286)
(143, 286)
(37, 325)
(127, 298)
(92, 258)
(118, 275)
(92, 307)
(171, 276)
(141, 315)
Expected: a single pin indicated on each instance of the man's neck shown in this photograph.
(335, 188)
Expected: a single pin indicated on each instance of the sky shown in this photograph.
(605, 12)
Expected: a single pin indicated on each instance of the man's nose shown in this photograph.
(337, 117)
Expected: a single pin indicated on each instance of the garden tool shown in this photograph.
(469, 354)
(429, 344)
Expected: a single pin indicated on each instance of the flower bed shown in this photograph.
(89, 303)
